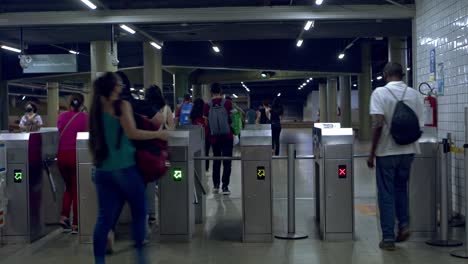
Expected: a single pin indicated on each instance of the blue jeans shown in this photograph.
(112, 188)
(392, 186)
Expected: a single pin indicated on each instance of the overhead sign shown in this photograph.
(50, 63)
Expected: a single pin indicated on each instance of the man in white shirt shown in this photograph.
(393, 160)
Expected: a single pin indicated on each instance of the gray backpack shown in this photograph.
(218, 119)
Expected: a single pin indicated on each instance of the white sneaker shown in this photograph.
(215, 190)
(110, 242)
(226, 191)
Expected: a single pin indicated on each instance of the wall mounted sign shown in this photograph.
(51, 63)
(177, 175)
(432, 65)
(261, 173)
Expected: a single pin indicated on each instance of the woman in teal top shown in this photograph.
(116, 176)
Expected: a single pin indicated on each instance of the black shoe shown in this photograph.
(387, 245)
(403, 235)
(66, 225)
(226, 191)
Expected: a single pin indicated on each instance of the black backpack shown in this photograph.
(405, 127)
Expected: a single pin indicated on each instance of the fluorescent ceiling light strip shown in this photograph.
(11, 49)
(279, 94)
(128, 29)
(74, 52)
(299, 42)
(379, 77)
(89, 4)
(235, 95)
(156, 45)
(341, 56)
(318, 2)
(216, 49)
(247, 89)
(308, 25)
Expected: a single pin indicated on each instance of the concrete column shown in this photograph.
(323, 102)
(4, 104)
(152, 69)
(365, 90)
(52, 103)
(397, 52)
(101, 60)
(206, 92)
(345, 105)
(197, 91)
(331, 100)
(181, 83)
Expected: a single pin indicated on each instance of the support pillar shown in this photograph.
(181, 83)
(4, 105)
(345, 99)
(52, 103)
(101, 60)
(365, 90)
(197, 91)
(206, 92)
(323, 102)
(397, 52)
(331, 100)
(152, 69)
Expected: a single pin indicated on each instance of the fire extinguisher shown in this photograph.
(430, 104)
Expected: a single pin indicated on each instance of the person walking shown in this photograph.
(196, 119)
(31, 120)
(217, 112)
(69, 124)
(276, 114)
(394, 160)
(116, 176)
(182, 116)
(263, 114)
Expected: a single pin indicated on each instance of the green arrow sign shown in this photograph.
(18, 176)
(177, 174)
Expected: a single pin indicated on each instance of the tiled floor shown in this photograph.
(218, 240)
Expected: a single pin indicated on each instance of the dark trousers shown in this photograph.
(275, 135)
(392, 186)
(222, 147)
(207, 152)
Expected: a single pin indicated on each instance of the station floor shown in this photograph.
(219, 239)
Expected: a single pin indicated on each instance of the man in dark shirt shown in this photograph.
(222, 144)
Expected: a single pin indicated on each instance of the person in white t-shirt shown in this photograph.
(393, 161)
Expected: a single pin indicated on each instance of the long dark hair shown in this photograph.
(103, 87)
(197, 109)
(154, 96)
(76, 101)
(277, 107)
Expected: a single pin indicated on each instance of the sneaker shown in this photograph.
(216, 190)
(387, 245)
(403, 235)
(65, 224)
(226, 191)
(110, 242)
(74, 230)
(151, 220)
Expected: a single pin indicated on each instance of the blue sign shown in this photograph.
(432, 65)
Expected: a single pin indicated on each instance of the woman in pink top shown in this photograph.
(69, 124)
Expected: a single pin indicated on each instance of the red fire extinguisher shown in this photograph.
(430, 105)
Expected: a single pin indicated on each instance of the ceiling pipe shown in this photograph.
(397, 4)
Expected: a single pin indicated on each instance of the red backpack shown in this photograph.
(152, 156)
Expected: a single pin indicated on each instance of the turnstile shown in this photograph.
(176, 190)
(423, 187)
(31, 192)
(333, 150)
(257, 210)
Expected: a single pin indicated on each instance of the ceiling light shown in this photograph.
(309, 24)
(156, 45)
(408, 69)
(349, 45)
(279, 94)
(379, 77)
(247, 89)
(354, 85)
(318, 2)
(24, 97)
(308, 81)
(132, 89)
(299, 88)
(128, 29)
(235, 95)
(372, 80)
(216, 49)
(264, 75)
(11, 49)
(242, 83)
(89, 4)
(74, 52)
(299, 42)
(311, 78)
(304, 84)
(341, 56)
(191, 89)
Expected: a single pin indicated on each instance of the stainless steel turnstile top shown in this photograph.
(255, 137)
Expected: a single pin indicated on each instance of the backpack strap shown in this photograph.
(394, 96)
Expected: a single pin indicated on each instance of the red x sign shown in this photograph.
(342, 171)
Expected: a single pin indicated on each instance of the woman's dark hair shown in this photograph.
(197, 109)
(33, 105)
(103, 87)
(266, 102)
(126, 93)
(154, 96)
(76, 101)
(277, 107)
(216, 88)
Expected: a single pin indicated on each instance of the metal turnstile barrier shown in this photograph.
(33, 200)
(333, 151)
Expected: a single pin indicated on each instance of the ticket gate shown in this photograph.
(176, 190)
(423, 187)
(32, 192)
(257, 189)
(333, 151)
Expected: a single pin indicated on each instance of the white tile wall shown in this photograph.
(443, 25)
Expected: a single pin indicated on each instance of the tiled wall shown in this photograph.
(443, 25)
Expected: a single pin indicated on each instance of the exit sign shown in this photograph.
(177, 175)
